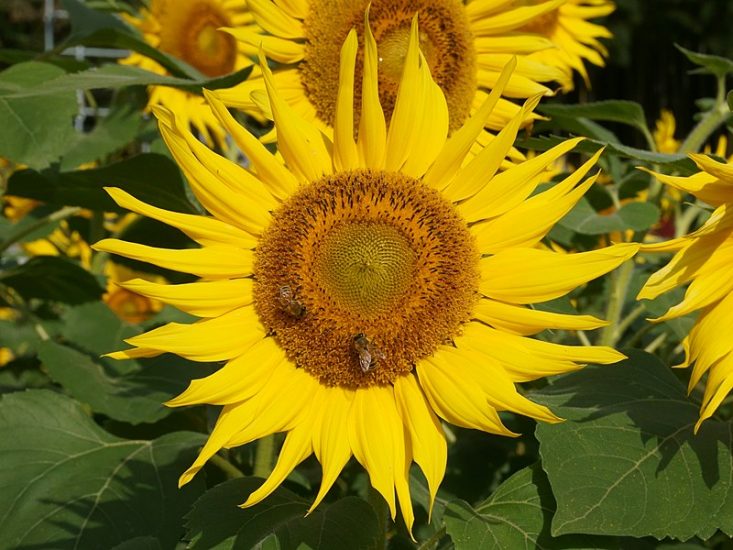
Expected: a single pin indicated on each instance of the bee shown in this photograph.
(289, 303)
(368, 353)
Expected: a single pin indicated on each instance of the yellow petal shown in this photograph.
(280, 181)
(708, 340)
(527, 359)
(302, 145)
(718, 386)
(423, 428)
(459, 402)
(419, 124)
(296, 449)
(525, 321)
(330, 436)
(376, 438)
(526, 275)
(216, 339)
(202, 229)
(345, 154)
(215, 262)
(372, 139)
(274, 20)
(224, 203)
(457, 147)
(277, 49)
(513, 186)
(478, 175)
(238, 380)
(527, 224)
(203, 299)
(511, 19)
(134, 353)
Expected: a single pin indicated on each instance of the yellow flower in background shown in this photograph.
(189, 30)
(126, 304)
(703, 259)
(576, 39)
(466, 46)
(6, 354)
(664, 133)
(364, 288)
(62, 241)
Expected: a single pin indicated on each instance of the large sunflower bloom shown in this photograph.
(703, 258)
(362, 288)
(189, 30)
(575, 37)
(466, 46)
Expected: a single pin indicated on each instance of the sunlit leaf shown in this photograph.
(517, 515)
(68, 484)
(635, 216)
(35, 131)
(626, 461)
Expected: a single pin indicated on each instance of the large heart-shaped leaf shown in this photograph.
(69, 484)
(626, 461)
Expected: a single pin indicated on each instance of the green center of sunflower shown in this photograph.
(362, 274)
(445, 39)
(366, 266)
(190, 31)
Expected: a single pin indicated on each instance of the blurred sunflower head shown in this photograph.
(703, 258)
(363, 288)
(466, 45)
(189, 30)
(575, 38)
(664, 130)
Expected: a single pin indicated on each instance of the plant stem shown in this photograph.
(709, 123)
(65, 212)
(229, 469)
(264, 456)
(379, 505)
(629, 319)
(621, 280)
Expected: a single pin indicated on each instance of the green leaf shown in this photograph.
(730, 100)
(69, 484)
(279, 522)
(625, 112)
(110, 134)
(133, 397)
(35, 131)
(150, 177)
(712, 64)
(679, 163)
(52, 278)
(636, 216)
(113, 76)
(517, 515)
(626, 461)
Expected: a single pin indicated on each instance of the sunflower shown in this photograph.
(664, 130)
(466, 46)
(361, 289)
(702, 258)
(189, 30)
(575, 37)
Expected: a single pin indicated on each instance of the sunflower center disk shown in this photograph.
(366, 267)
(192, 34)
(445, 40)
(362, 274)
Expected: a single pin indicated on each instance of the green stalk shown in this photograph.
(621, 280)
(229, 469)
(712, 120)
(264, 456)
(433, 541)
(65, 212)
